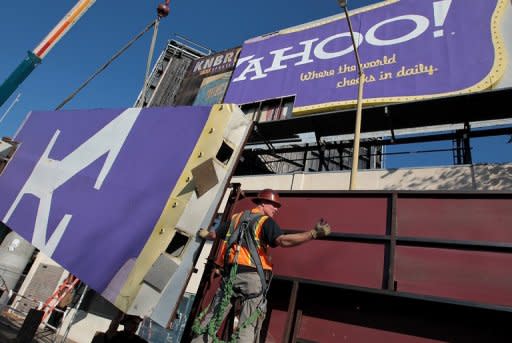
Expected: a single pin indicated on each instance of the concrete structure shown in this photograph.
(474, 177)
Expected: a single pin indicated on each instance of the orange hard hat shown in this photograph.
(268, 195)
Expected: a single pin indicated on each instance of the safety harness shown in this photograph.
(242, 234)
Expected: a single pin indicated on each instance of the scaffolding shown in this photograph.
(169, 71)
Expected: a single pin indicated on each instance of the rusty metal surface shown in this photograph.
(399, 267)
(476, 276)
(348, 214)
(335, 262)
(314, 329)
(486, 219)
(332, 316)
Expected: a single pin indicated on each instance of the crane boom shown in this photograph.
(34, 58)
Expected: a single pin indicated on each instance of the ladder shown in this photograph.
(63, 291)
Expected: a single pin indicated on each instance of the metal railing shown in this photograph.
(13, 313)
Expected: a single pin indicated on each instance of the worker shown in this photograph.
(250, 280)
(128, 334)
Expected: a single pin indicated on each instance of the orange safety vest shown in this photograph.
(244, 256)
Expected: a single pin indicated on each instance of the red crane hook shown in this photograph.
(163, 9)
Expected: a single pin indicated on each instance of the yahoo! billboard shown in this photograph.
(409, 50)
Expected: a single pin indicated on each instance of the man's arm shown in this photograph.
(293, 239)
(218, 230)
(208, 235)
(322, 229)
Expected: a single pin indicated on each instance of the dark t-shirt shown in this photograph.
(271, 231)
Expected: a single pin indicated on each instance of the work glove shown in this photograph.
(322, 229)
(203, 233)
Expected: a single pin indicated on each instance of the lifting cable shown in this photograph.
(162, 11)
(103, 67)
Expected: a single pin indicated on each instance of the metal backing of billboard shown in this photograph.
(199, 86)
(410, 50)
(212, 89)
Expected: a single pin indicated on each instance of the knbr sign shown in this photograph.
(409, 50)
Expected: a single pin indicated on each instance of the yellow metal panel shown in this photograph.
(207, 147)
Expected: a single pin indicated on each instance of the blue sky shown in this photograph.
(108, 25)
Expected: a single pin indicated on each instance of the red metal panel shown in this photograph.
(326, 331)
(329, 261)
(360, 215)
(455, 219)
(330, 314)
(276, 326)
(482, 277)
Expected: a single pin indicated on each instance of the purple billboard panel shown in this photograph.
(409, 50)
(87, 187)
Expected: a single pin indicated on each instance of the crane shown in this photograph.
(35, 57)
